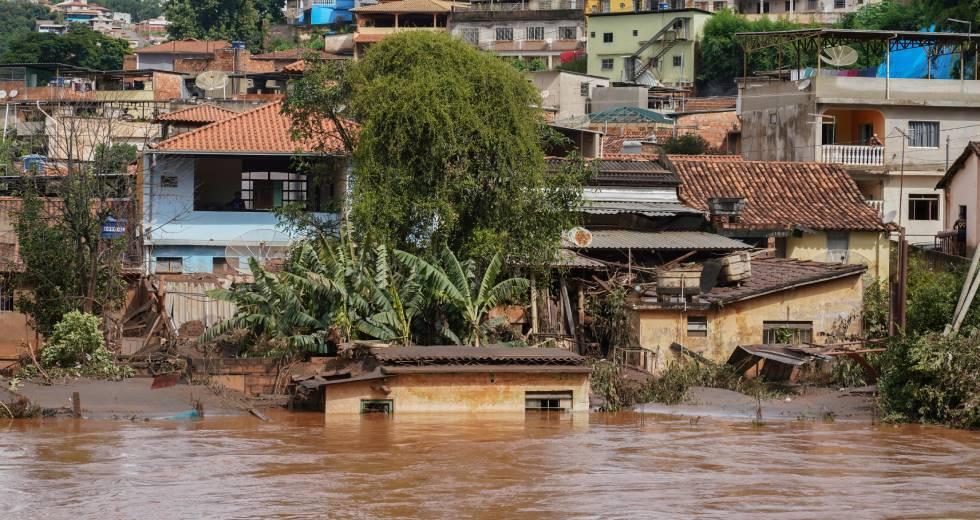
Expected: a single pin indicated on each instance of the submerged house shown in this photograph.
(462, 379)
(209, 194)
(776, 300)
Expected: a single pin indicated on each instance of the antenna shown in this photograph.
(839, 56)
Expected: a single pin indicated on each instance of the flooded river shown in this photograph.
(610, 466)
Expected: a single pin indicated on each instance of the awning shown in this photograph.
(650, 209)
(662, 240)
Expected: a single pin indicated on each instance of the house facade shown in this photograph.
(782, 301)
(543, 30)
(209, 194)
(565, 95)
(324, 12)
(374, 22)
(824, 12)
(892, 127)
(961, 204)
(646, 47)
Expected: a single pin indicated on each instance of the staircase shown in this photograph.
(669, 35)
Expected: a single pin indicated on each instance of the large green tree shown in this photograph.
(139, 9)
(17, 19)
(79, 46)
(449, 150)
(215, 19)
(721, 56)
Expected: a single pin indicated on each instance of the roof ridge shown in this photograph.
(214, 124)
(198, 107)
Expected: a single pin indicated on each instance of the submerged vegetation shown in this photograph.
(77, 349)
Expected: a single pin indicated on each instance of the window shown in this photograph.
(535, 33)
(828, 133)
(636, 32)
(6, 298)
(567, 33)
(765, 7)
(548, 401)
(697, 326)
(786, 6)
(169, 264)
(224, 265)
(267, 190)
(837, 245)
(383, 406)
(811, 5)
(839, 4)
(607, 64)
(607, 37)
(792, 332)
(544, 5)
(470, 35)
(504, 34)
(583, 89)
(923, 206)
(719, 6)
(592, 34)
(168, 181)
(678, 61)
(924, 134)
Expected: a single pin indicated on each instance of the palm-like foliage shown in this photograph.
(397, 298)
(456, 284)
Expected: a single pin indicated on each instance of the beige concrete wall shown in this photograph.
(866, 247)
(14, 332)
(480, 392)
(962, 191)
(740, 323)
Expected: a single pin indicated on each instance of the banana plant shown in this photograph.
(456, 284)
(397, 298)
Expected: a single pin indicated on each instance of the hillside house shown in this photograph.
(961, 204)
(374, 22)
(215, 187)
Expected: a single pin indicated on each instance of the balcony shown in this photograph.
(853, 155)
(877, 205)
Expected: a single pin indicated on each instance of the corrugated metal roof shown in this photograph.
(629, 115)
(567, 258)
(187, 300)
(687, 240)
(650, 209)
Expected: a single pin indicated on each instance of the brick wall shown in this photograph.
(712, 126)
(167, 86)
(223, 60)
(257, 375)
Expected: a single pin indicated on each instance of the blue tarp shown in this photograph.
(912, 63)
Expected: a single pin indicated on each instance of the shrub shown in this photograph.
(932, 378)
(687, 144)
(77, 348)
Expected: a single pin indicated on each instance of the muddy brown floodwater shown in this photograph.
(587, 466)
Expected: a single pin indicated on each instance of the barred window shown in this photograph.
(470, 35)
(504, 34)
(791, 332)
(567, 33)
(697, 326)
(535, 33)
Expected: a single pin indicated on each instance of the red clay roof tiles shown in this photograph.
(779, 195)
(776, 274)
(262, 130)
(184, 47)
(198, 114)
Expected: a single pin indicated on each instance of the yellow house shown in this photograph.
(807, 211)
(783, 301)
(463, 379)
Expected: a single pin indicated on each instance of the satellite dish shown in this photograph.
(839, 56)
(3, 94)
(211, 80)
(803, 85)
(545, 94)
(13, 93)
(579, 236)
(889, 217)
(264, 245)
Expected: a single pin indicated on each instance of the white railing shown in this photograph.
(852, 154)
(877, 205)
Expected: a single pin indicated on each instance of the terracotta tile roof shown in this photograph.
(972, 148)
(779, 195)
(198, 114)
(191, 46)
(296, 67)
(707, 104)
(411, 6)
(613, 144)
(262, 130)
(489, 355)
(702, 158)
(776, 274)
(295, 54)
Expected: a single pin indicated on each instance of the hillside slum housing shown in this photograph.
(460, 379)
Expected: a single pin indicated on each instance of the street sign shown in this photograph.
(113, 228)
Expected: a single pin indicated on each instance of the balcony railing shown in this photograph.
(877, 205)
(853, 154)
(948, 242)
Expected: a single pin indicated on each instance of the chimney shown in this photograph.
(725, 210)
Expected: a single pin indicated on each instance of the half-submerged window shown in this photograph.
(385, 406)
(548, 401)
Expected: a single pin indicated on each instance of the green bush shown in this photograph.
(932, 378)
(76, 348)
